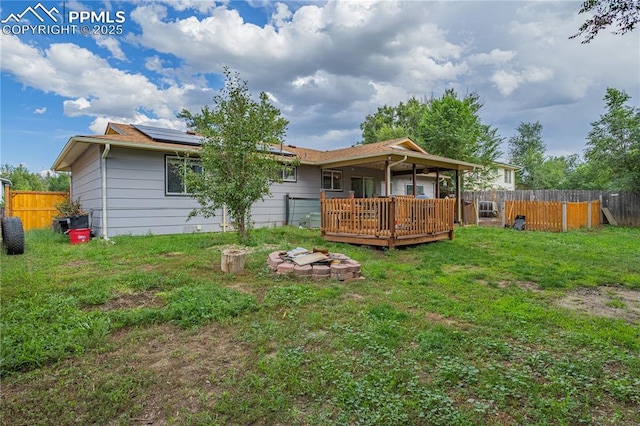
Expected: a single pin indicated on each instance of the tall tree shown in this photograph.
(394, 122)
(237, 167)
(624, 14)
(452, 127)
(556, 172)
(613, 143)
(446, 126)
(24, 180)
(526, 150)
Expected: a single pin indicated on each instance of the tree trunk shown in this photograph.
(232, 261)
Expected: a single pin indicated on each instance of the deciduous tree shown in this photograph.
(624, 14)
(613, 143)
(237, 165)
(527, 150)
(446, 126)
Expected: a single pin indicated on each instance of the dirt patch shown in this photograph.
(78, 264)
(493, 222)
(173, 254)
(610, 302)
(146, 299)
(192, 369)
(435, 317)
(524, 285)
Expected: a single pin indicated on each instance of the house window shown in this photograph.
(419, 189)
(289, 174)
(175, 174)
(332, 180)
(508, 176)
(363, 187)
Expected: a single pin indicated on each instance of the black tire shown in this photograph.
(13, 235)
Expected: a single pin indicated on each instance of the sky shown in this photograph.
(325, 65)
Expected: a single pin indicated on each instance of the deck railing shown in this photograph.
(393, 218)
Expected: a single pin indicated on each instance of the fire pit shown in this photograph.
(316, 264)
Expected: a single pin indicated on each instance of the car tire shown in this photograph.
(13, 235)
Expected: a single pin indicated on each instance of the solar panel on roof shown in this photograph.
(169, 135)
(278, 151)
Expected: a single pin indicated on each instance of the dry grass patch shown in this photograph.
(606, 301)
(145, 299)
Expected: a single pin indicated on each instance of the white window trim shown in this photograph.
(406, 189)
(172, 158)
(508, 176)
(295, 175)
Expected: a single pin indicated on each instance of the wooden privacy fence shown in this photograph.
(623, 205)
(554, 216)
(386, 221)
(36, 209)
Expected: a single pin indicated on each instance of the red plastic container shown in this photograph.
(79, 236)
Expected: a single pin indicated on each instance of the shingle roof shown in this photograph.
(120, 134)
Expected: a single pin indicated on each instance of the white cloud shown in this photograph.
(495, 57)
(112, 45)
(80, 75)
(40, 110)
(508, 81)
(281, 16)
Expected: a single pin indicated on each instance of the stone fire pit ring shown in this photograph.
(337, 267)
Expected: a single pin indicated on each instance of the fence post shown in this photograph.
(564, 216)
(601, 213)
(589, 214)
(504, 213)
(323, 225)
(7, 200)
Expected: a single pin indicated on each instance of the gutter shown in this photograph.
(388, 188)
(103, 160)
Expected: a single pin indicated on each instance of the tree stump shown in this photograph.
(232, 260)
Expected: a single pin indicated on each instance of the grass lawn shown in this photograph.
(495, 327)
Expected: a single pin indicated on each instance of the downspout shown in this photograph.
(107, 148)
(388, 189)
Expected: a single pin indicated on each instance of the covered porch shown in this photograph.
(400, 215)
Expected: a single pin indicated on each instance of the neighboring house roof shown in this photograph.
(404, 152)
(506, 166)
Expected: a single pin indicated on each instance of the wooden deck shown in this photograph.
(388, 222)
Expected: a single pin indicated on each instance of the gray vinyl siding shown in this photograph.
(137, 203)
(271, 211)
(86, 185)
(347, 174)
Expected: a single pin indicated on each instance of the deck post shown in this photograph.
(352, 210)
(415, 178)
(458, 196)
(392, 222)
(323, 224)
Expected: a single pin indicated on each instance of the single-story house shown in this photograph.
(129, 178)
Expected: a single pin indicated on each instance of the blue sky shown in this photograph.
(326, 65)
